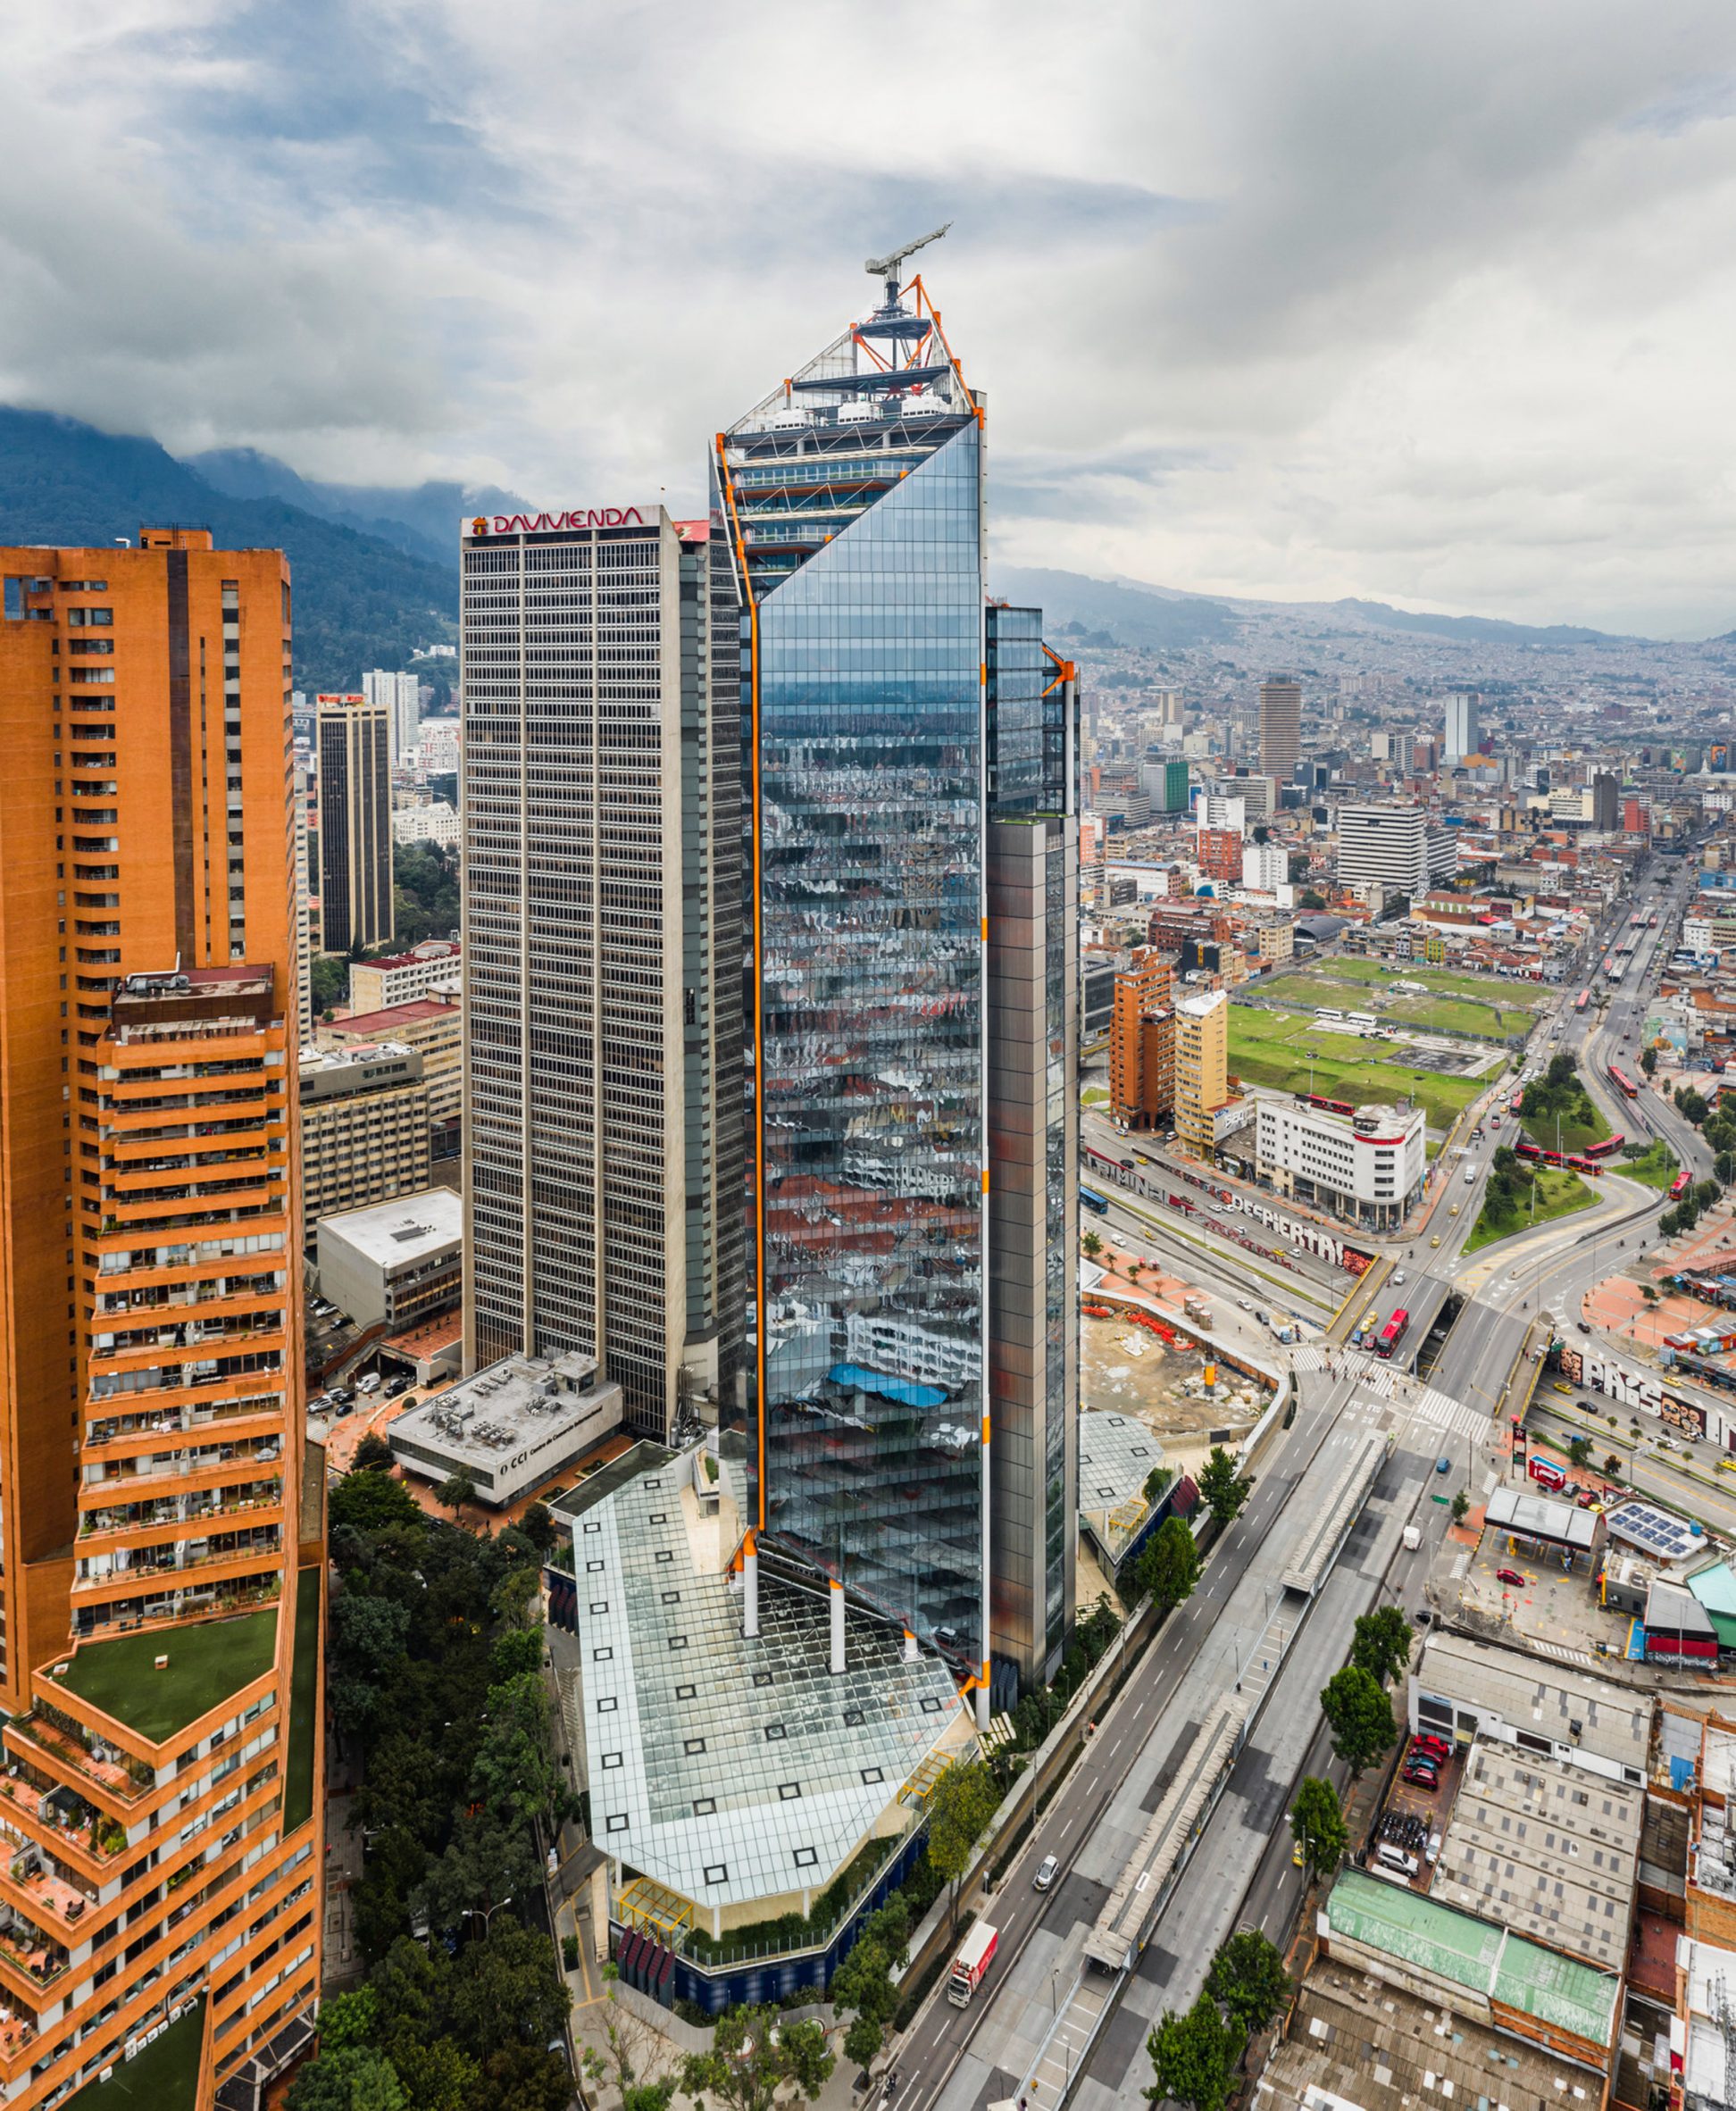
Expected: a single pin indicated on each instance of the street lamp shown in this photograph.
(485, 1914)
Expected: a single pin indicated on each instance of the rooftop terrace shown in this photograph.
(207, 1662)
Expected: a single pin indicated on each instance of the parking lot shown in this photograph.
(1414, 1814)
(1547, 1603)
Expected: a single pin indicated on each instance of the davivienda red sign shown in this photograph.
(594, 516)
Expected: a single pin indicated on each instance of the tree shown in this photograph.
(1168, 1566)
(1249, 1981)
(1648, 1060)
(1706, 1193)
(1690, 1104)
(352, 2078)
(1092, 1245)
(1612, 1462)
(1312, 899)
(1505, 1158)
(1223, 1489)
(1194, 2057)
(371, 1501)
(754, 2055)
(1561, 1071)
(374, 1454)
(1382, 1644)
(1580, 1450)
(455, 1491)
(328, 983)
(963, 1800)
(516, 1773)
(863, 1982)
(1724, 1166)
(1156, 1482)
(1359, 1713)
(1317, 1825)
(1460, 1507)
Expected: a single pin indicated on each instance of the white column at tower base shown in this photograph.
(749, 1588)
(837, 1627)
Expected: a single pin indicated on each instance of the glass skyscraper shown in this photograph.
(896, 727)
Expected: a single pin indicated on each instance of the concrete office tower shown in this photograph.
(1280, 727)
(912, 1144)
(1202, 1046)
(1462, 730)
(1605, 802)
(1384, 846)
(303, 917)
(602, 951)
(400, 695)
(159, 1656)
(353, 743)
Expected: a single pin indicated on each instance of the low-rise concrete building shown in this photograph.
(365, 1127)
(511, 1426)
(1368, 1164)
(396, 1263)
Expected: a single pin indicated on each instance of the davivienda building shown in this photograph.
(911, 890)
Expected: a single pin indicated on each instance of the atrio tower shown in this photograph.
(910, 760)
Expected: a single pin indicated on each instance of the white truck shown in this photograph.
(1413, 1538)
(1470, 1176)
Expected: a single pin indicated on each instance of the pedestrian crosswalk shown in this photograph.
(1421, 1408)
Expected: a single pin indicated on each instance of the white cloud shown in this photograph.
(1423, 305)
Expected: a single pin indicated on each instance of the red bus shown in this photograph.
(1680, 1186)
(1526, 1149)
(1607, 1148)
(1332, 1106)
(1582, 1000)
(1392, 1333)
(1623, 1082)
(1582, 1164)
(1517, 1104)
(1651, 922)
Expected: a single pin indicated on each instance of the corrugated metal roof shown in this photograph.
(1471, 1952)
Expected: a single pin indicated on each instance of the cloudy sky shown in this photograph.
(1434, 304)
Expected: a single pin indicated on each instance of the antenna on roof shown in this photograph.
(887, 267)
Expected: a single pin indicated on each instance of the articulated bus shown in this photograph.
(1392, 1333)
(1526, 1149)
(1607, 1148)
(1582, 1000)
(1623, 1082)
(1580, 1164)
(1680, 1186)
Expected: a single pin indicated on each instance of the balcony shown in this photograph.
(56, 1737)
(78, 1826)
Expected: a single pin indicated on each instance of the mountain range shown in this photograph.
(376, 566)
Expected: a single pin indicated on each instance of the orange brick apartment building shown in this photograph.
(159, 1592)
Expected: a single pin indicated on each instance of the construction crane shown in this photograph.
(887, 267)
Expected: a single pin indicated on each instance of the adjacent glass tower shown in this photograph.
(852, 499)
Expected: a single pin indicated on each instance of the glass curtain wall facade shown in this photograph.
(852, 500)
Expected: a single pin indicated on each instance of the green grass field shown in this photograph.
(1656, 1169)
(1574, 1135)
(1457, 1004)
(1270, 1047)
(1559, 1193)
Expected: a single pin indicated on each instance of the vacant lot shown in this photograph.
(1271, 1047)
(1454, 1003)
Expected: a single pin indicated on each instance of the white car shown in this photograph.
(1399, 1279)
(370, 1384)
(1246, 1304)
(1047, 1870)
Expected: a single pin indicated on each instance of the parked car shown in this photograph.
(1422, 1777)
(368, 1384)
(1431, 1747)
(400, 1384)
(1511, 1577)
(1048, 1870)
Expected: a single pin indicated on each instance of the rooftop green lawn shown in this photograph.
(1559, 1193)
(163, 2077)
(206, 1664)
(1271, 1048)
(303, 1699)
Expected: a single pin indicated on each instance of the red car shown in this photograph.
(1511, 1576)
(1420, 1777)
(1430, 1748)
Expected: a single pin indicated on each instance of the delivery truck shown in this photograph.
(976, 1953)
